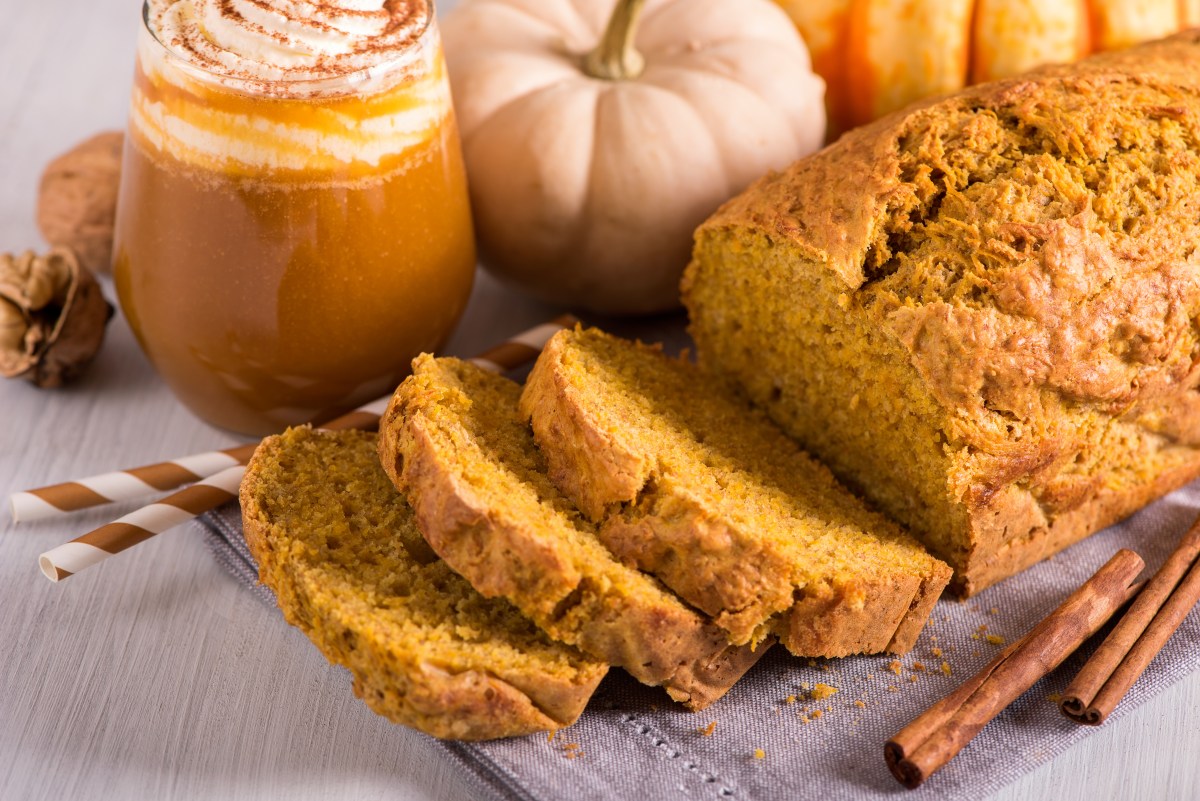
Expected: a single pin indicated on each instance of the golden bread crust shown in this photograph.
(691, 484)
(413, 670)
(453, 441)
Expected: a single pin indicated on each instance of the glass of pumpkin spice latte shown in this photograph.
(293, 223)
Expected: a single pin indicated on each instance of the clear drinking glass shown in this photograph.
(284, 246)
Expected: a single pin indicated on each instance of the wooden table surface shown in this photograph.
(155, 675)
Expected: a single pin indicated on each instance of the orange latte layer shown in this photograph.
(282, 255)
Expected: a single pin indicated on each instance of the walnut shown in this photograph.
(52, 317)
(77, 201)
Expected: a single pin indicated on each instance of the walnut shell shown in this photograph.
(77, 200)
(52, 317)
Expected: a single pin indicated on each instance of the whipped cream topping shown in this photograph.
(288, 40)
(310, 85)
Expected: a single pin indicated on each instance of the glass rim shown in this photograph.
(348, 79)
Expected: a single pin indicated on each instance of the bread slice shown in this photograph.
(453, 439)
(694, 485)
(340, 549)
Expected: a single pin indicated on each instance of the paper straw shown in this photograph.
(123, 485)
(136, 483)
(187, 504)
(96, 546)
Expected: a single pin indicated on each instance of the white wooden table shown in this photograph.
(154, 675)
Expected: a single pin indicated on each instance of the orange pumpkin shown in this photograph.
(879, 55)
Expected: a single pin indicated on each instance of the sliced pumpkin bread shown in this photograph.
(341, 551)
(454, 440)
(691, 483)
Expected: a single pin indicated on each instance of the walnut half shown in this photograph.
(52, 317)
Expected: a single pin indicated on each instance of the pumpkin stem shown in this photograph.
(615, 58)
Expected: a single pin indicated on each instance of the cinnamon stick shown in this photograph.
(1128, 650)
(932, 739)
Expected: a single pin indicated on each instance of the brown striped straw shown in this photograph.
(222, 486)
(123, 485)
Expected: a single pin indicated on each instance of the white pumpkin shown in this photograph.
(586, 189)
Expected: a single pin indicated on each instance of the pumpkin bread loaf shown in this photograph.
(341, 551)
(689, 482)
(981, 311)
(453, 439)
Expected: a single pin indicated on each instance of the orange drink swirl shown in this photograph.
(293, 224)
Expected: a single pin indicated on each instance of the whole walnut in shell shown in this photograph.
(77, 201)
(52, 317)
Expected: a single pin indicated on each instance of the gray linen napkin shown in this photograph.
(634, 743)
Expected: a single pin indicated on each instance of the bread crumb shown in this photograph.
(919, 667)
(708, 730)
(812, 663)
(993, 611)
(804, 685)
(892, 688)
(759, 753)
(804, 719)
(1054, 698)
(816, 713)
(860, 704)
(573, 754)
(791, 699)
(895, 666)
(936, 652)
(571, 746)
(550, 736)
(933, 638)
(946, 668)
(822, 691)
(912, 678)
(995, 639)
